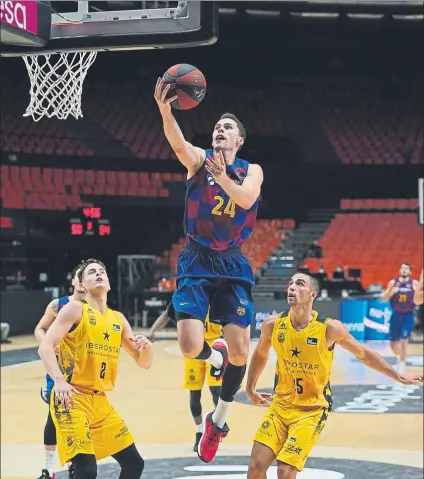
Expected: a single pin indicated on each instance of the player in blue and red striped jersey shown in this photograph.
(220, 212)
(400, 292)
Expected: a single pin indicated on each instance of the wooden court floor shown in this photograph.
(155, 407)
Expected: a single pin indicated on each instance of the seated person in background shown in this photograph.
(5, 328)
(322, 271)
(323, 296)
(315, 250)
(339, 274)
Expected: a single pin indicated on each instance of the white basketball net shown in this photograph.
(56, 83)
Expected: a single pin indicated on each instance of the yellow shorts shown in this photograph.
(291, 432)
(91, 426)
(195, 371)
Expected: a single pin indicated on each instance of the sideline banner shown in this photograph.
(377, 321)
(352, 314)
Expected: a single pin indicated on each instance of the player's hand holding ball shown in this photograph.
(259, 399)
(217, 168)
(141, 342)
(161, 91)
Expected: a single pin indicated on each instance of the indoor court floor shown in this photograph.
(374, 432)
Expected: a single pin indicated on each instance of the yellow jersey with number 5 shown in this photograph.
(303, 362)
(89, 352)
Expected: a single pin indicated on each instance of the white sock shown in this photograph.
(199, 428)
(401, 367)
(215, 359)
(219, 417)
(49, 460)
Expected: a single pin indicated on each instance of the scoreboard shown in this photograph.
(90, 223)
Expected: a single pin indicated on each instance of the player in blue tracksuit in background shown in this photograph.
(45, 322)
(221, 205)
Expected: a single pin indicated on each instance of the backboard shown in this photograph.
(37, 27)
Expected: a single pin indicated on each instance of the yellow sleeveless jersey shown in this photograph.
(89, 353)
(212, 331)
(303, 362)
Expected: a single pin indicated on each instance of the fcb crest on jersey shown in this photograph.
(210, 179)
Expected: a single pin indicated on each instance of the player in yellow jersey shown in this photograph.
(40, 331)
(304, 344)
(90, 335)
(195, 370)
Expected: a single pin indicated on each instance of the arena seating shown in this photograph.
(377, 243)
(367, 122)
(379, 204)
(58, 189)
(265, 238)
(23, 135)
(132, 118)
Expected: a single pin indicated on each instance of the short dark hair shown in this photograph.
(406, 264)
(239, 124)
(75, 270)
(84, 265)
(314, 283)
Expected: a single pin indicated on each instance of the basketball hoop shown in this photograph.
(56, 83)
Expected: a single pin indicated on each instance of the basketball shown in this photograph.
(188, 83)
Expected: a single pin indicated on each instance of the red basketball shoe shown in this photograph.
(212, 436)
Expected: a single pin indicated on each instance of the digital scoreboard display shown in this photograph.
(90, 223)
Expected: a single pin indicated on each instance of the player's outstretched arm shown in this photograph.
(243, 195)
(337, 333)
(258, 362)
(138, 346)
(418, 291)
(46, 321)
(190, 156)
(158, 325)
(67, 317)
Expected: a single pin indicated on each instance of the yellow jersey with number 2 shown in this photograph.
(89, 352)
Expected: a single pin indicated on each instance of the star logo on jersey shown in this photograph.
(295, 352)
(66, 364)
(106, 335)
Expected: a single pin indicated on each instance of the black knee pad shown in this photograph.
(85, 466)
(50, 432)
(215, 391)
(195, 403)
